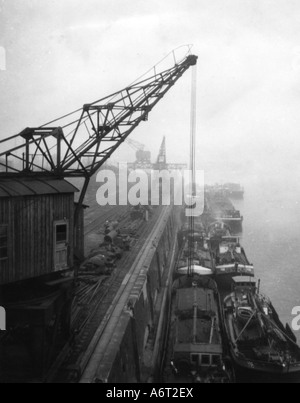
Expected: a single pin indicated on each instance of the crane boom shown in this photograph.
(162, 156)
(78, 144)
(136, 145)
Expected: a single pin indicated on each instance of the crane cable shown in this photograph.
(193, 126)
(189, 46)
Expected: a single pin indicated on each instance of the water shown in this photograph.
(271, 238)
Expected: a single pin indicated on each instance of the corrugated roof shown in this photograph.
(33, 187)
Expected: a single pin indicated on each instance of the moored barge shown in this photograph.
(261, 348)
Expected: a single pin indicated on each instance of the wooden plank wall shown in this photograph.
(30, 223)
(79, 236)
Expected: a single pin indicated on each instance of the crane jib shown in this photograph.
(79, 143)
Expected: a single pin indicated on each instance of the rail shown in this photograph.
(103, 335)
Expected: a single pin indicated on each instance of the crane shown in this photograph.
(161, 162)
(79, 143)
(136, 145)
(162, 155)
(142, 154)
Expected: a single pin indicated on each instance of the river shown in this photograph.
(271, 238)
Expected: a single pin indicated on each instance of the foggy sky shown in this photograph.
(62, 54)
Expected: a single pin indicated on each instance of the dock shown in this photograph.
(121, 323)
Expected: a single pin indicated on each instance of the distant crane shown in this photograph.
(161, 162)
(142, 155)
(79, 143)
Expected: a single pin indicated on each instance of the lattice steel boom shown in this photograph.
(78, 144)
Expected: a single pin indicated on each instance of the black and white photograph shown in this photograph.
(149, 194)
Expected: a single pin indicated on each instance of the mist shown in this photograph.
(62, 54)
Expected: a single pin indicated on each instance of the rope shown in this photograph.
(62, 117)
(192, 167)
(189, 46)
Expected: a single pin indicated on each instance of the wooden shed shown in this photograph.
(36, 228)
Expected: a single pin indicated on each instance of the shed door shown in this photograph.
(61, 243)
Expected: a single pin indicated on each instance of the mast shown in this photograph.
(193, 191)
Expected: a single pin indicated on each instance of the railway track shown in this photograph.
(116, 213)
(102, 337)
(74, 358)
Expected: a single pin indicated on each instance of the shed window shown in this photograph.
(195, 359)
(61, 245)
(205, 360)
(216, 360)
(61, 233)
(3, 242)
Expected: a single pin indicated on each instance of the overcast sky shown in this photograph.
(64, 53)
